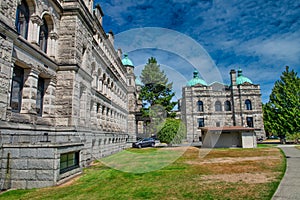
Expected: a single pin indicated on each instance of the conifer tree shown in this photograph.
(156, 90)
(282, 112)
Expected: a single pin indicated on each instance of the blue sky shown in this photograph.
(261, 37)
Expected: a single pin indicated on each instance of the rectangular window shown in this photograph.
(200, 122)
(250, 121)
(69, 161)
(16, 89)
(40, 96)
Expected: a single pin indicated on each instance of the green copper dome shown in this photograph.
(138, 81)
(242, 79)
(196, 80)
(126, 61)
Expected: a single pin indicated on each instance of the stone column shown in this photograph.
(108, 91)
(95, 80)
(29, 91)
(52, 44)
(103, 118)
(6, 73)
(34, 27)
(99, 117)
(104, 88)
(49, 97)
(94, 115)
(100, 85)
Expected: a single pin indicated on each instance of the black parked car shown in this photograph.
(146, 142)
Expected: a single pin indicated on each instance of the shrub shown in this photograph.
(172, 132)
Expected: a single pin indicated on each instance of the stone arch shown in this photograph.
(46, 35)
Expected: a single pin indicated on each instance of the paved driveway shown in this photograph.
(289, 187)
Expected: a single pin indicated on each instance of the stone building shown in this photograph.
(66, 99)
(221, 105)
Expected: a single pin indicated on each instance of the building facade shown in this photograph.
(220, 105)
(66, 98)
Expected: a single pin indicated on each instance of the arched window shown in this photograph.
(227, 106)
(22, 19)
(200, 106)
(248, 104)
(43, 37)
(218, 106)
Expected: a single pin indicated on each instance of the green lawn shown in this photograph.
(172, 173)
(262, 145)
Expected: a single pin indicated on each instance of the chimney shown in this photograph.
(119, 51)
(99, 13)
(111, 37)
(233, 85)
(233, 77)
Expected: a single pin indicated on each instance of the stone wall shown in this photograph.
(86, 94)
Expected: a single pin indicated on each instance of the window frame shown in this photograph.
(70, 156)
(248, 104)
(43, 39)
(200, 106)
(218, 106)
(227, 105)
(201, 122)
(20, 80)
(249, 121)
(40, 96)
(22, 25)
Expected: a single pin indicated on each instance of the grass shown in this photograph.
(182, 174)
(298, 147)
(262, 145)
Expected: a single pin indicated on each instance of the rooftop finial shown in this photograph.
(195, 74)
(240, 72)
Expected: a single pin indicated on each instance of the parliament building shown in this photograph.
(68, 97)
(237, 104)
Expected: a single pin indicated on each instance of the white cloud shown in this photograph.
(280, 47)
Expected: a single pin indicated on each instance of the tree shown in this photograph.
(281, 113)
(172, 132)
(156, 89)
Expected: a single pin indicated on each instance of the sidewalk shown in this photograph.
(289, 187)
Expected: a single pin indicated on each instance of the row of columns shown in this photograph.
(108, 90)
(105, 118)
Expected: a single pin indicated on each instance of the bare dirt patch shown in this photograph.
(253, 178)
(231, 160)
